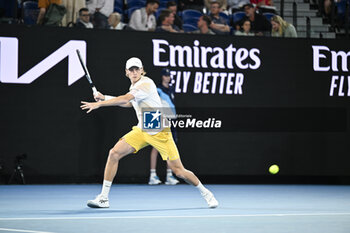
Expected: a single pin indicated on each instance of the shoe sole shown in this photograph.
(92, 205)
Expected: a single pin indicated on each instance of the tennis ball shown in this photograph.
(274, 169)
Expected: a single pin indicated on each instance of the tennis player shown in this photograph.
(142, 94)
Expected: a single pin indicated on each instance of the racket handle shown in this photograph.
(94, 91)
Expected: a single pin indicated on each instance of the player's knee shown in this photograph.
(114, 154)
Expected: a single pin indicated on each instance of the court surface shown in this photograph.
(180, 208)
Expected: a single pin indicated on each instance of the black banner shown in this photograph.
(282, 101)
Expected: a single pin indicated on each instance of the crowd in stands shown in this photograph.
(220, 17)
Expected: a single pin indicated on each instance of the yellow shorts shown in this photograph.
(162, 141)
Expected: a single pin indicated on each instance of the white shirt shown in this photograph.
(141, 21)
(106, 6)
(120, 26)
(146, 96)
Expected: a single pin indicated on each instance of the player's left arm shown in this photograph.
(123, 100)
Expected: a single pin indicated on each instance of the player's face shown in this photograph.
(134, 73)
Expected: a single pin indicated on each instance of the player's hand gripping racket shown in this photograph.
(87, 75)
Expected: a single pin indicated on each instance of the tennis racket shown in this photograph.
(87, 75)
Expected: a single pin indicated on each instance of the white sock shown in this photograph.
(106, 186)
(153, 173)
(168, 173)
(201, 188)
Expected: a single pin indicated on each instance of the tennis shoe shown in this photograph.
(210, 199)
(99, 202)
(154, 180)
(171, 180)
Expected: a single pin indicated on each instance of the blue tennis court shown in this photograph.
(180, 208)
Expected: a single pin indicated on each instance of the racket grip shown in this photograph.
(94, 91)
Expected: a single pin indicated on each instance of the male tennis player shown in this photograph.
(143, 94)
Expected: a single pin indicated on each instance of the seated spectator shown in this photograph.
(172, 6)
(114, 21)
(84, 19)
(236, 5)
(244, 29)
(143, 19)
(203, 25)
(222, 3)
(100, 11)
(219, 24)
(259, 24)
(191, 4)
(43, 5)
(281, 28)
(167, 18)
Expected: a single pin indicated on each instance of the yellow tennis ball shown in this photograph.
(274, 169)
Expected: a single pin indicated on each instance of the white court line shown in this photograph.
(19, 230)
(178, 216)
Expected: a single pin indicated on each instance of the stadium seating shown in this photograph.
(189, 28)
(268, 15)
(237, 16)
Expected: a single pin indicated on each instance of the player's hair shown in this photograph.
(163, 14)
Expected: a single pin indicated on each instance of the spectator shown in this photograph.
(244, 29)
(236, 5)
(84, 19)
(259, 24)
(191, 4)
(203, 25)
(43, 5)
(281, 28)
(100, 11)
(73, 7)
(143, 19)
(172, 6)
(167, 18)
(219, 24)
(222, 3)
(114, 21)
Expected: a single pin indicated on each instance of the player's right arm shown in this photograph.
(100, 97)
(116, 101)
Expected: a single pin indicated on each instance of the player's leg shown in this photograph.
(179, 170)
(121, 149)
(153, 178)
(166, 146)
